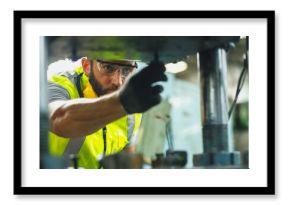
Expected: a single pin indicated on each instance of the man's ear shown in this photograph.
(86, 64)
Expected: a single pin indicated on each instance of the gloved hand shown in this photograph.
(137, 94)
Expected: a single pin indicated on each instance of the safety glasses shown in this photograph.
(111, 67)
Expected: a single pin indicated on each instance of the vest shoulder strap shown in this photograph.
(131, 125)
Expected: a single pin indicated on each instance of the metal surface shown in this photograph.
(218, 159)
(170, 48)
(122, 160)
(46, 161)
(212, 65)
(172, 159)
(214, 100)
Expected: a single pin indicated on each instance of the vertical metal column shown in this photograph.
(212, 65)
(43, 103)
(46, 161)
(214, 101)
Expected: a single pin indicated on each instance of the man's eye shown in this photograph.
(109, 68)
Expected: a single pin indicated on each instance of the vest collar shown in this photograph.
(88, 91)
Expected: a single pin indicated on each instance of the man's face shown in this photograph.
(103, 83)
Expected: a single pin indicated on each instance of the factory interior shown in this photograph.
(202, 121)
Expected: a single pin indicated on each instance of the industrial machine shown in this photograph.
(211, 52)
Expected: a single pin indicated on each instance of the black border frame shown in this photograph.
(268, 190)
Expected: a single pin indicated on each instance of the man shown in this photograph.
(94, 110)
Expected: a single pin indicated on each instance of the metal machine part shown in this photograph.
(170, 48)
(46, 161)
(220, 159)
(212, 67)
(122, 160)
(173, 159)
(214, 100)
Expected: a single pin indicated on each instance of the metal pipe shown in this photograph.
(43, 102)
(212, 67)
(46, 161)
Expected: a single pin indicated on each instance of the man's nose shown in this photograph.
(117, 79)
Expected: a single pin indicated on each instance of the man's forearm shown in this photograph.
(81, 117)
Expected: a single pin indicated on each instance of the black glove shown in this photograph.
(137, 94)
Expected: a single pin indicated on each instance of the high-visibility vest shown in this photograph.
(106, 141)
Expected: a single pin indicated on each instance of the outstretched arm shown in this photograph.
(81, 117)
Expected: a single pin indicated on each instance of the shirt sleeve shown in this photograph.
(56, 92)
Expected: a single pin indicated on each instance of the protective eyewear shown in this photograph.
(111, 67)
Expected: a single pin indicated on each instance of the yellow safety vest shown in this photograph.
(91, 146)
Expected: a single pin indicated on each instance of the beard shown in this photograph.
(97, 87)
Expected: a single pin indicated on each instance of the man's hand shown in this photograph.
(137, 94)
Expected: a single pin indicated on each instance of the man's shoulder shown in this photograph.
(62, 66)
(68, 73)
(65, 82)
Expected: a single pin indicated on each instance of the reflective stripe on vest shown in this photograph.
(73, 147)
(131, 125)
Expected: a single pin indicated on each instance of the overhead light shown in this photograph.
(176, 67)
